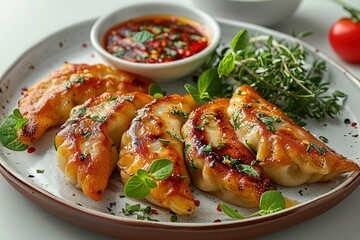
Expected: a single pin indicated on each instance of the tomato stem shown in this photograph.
(355, 14)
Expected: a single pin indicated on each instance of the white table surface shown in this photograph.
(23, 23)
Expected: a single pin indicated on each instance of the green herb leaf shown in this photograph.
(248, 169)
(136, 187)
(142, 36)
(209, 83)
(179, 113)
(230, 212)
(240, 41)
(250, 146)
(227, 64)
(193, 92)
(161, 168)
(235, 119)
(131, 209)
(271, 201)
(8, 134)
(97, 118)
(156, 91)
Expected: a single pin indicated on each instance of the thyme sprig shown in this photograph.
(279, 71)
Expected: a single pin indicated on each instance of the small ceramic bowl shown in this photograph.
(261, 12)
(159, 72)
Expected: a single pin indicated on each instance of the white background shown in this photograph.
(23, 23)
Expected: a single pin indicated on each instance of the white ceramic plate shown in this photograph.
(51, 190)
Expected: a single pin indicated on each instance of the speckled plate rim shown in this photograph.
(127, 228)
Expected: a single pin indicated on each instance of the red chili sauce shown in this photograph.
(174, 38)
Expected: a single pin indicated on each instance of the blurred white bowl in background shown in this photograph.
(261, 12)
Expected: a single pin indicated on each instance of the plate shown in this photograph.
(49, 188)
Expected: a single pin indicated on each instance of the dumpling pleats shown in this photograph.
(49, 102)
(89, 141)
(217, 161)
(155, 134)
(288, 153)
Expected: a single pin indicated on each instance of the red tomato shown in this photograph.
(344, 38)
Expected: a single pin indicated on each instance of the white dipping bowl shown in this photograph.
(159, 72)
(261, 12)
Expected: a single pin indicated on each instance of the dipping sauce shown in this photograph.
(174, 38)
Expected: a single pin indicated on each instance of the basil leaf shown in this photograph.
(227, 64)
(240, 41)
(161, 168)
(230, 212)
(8, 134)
(194, 93)
(271, 201)
(210, 83)
(142, 36)
(136, 187)
(155, 89)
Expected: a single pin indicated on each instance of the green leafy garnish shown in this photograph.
(248, 169)
(279, 71)
(97, 118)
(139, 186)
(209, 86)
(20, 120)
(156, 91)
(231, 212)
(8, 131)
(270, 202)
(141, 212)
(142, 36)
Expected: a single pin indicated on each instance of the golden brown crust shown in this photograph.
(212, 153)
(48, 102)
(290, 155)
(88, 142)
(144, 142)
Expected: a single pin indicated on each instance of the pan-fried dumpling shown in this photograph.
(88, 141)
(155, 133)
(289, 154)
(48, 102)
(217, 161)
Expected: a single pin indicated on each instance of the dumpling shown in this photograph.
(217, 161)
(289, 154)
(155, 133)
(88, 142)
(48, 102)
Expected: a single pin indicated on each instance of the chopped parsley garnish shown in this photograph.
(112, 98)
(81, 111)
(250, 146)
(235, 118)
(79, 80)
(192, 165)
(179, 113)
(97, 118)
(318, 148)
(128, 98)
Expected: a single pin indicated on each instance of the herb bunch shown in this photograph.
(278, 71)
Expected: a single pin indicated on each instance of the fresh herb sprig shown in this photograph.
(8, 131)
(139, 186)
(278, 71)
(270, 202)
